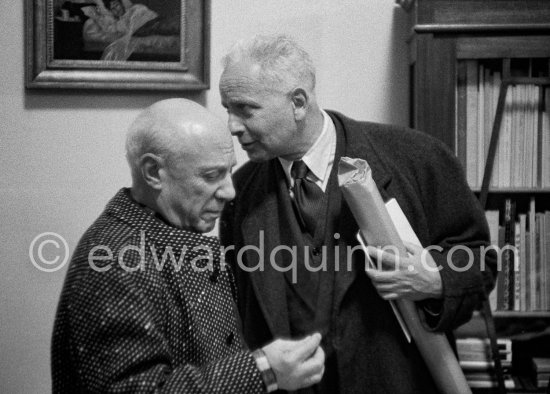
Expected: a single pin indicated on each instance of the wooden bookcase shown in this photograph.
(446, 37)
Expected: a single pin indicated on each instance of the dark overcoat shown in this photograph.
(370, 351)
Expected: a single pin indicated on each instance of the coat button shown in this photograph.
(229, 339)
(316, 251)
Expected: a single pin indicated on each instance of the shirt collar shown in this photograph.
(320, 156)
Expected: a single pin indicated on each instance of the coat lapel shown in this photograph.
(261, 228)
(359, 145)
(355, 138)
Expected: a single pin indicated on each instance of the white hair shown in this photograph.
(281, 60)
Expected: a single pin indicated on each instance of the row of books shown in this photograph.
(541, 372)
(476, 361)
(523, 281)
(523, 152)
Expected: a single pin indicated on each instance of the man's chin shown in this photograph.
(205, 226)
(258, 157)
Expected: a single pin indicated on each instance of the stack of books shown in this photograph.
(523, 239)
(522, 158)
(541, 371)
(476, 361)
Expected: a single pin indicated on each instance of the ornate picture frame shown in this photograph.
(86, 44)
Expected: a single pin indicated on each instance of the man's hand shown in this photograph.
(415, 277)
(296, 364)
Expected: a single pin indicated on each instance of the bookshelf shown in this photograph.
(461, 52)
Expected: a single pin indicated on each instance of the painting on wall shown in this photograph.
(117, 44)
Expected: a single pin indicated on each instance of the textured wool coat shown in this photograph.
(365, 345)
(128, 323)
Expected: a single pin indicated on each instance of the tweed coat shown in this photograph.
(370, 351)
(128, 323)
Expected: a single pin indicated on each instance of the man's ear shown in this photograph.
(151, 167)
(300, 100)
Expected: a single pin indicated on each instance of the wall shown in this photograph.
(62, 151)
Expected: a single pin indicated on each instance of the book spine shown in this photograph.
(481, 125)
(495, 88)
(538, 260)
(508, 255)
(462, 113)
(532, 256)
(492, 217)
(547, 261)
(517, 268)
(545, 148)
(505, 168)
(523, 261)
(543, 264)
(501, 281)
(472, 92)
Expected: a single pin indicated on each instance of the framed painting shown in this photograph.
(117, 44)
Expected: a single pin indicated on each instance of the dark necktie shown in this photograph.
(308, 197)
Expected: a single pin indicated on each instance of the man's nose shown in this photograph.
(226, 191)
(235, 125)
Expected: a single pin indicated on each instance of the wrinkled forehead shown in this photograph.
(241, 73)
(240, 83)
(215, 158)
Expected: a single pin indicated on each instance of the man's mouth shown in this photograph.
(212, 214)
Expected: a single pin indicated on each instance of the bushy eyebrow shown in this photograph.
(217, 167)
(240, 101)
(212, 168)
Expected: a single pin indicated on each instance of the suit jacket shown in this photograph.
(126, 322)
(428, 182)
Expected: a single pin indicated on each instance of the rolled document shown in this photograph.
(377, 228)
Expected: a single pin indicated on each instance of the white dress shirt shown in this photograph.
(319, 158)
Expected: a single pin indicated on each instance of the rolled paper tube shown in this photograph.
(377, 228)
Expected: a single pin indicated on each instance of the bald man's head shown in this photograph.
(181, 157)
(168, 128)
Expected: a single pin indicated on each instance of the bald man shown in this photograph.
(148, 305)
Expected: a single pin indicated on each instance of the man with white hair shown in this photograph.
(289, 206)
(148, 305)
